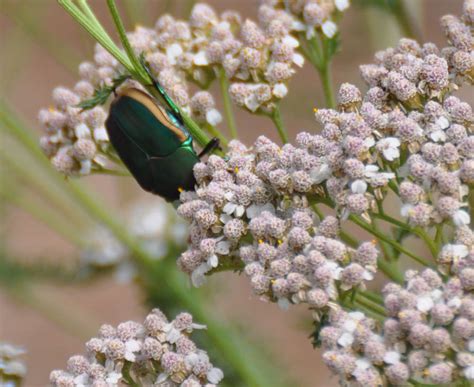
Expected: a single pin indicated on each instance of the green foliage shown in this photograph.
(102, 94)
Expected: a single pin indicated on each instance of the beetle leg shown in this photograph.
(211, 145)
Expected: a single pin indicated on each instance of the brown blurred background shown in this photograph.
(29, 72)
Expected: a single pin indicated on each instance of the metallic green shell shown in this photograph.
(152, 143)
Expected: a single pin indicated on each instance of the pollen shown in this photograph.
(260, 241)
(280, 241)
(236, 169)
(315, 110)
(180, 189)
(373, 241)
(51, 108)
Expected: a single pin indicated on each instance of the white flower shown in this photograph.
(82, 131)
(255, 210)
(391, 357)
(442, 122)
(173, 51)
(346, 339)
(215, 375)
(200, 59)
(298, 59)
(461, 218)
(319, 174)
(438, 135)
(359, 186)
(424, 303)
(291, 41)
(198, 275)
(213, 117)
(113, 378)
(132, 346)
(231, 207)
(86, 166)
(329, 28)
(469, 372)
(279, 90)
(342, 5)
(283, 303)
(100, 134)
(389, 147)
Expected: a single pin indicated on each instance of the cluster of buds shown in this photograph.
(308, 16)
(256, 206)
(12, 367)
(157, 352)
(155, 226)
(76, 141)
(428, 336)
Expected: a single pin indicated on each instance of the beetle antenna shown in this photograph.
(210, 146)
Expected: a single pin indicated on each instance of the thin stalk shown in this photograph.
(366, 226)
(404, 19)
(125, 42)
(97, 32)
(126, 375)
(277, 120)
(216, 133)
(229, 114)
(375, 306)
(326, 80)
(375, 297)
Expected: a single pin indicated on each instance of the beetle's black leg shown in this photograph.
(211, 145)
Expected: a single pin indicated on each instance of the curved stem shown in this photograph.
(276, 118)
(326, 80)
(229, 114)
(366, 226)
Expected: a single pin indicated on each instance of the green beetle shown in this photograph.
(153, 142)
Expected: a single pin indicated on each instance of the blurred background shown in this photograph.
(45, 305)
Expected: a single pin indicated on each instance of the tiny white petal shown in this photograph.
(283, 303)
(345, 340)
(161, 378)
(359, 186)
(229, 208)
(424, 303)
(213, 117)
(223, 247)
(469, 372)
(172, 52)
(329, 28)
(200, 59)
(461, 218)
(82, 131)
(391, 357)
(442, 122)
(239, 211)
(342, 5)
(438, 135)
(86, 166)
(215, 375)
(291, 41)
(213, 260)
(298, 59)
(280, 90)
(100, 134)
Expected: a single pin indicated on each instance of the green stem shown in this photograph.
(404, 19)
(97, 32)
(138, 68)
(277, 120)
(126, 375)
(366, 226)
(229, 114)
(326, 80)
(375, 297)
(216, 133)
(375, 306)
